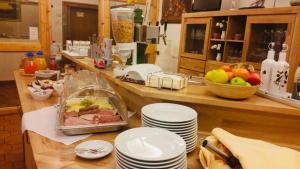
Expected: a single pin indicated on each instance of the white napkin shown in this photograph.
(43, 122)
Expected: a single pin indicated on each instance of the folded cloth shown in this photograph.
(43, 122)
(252, 154)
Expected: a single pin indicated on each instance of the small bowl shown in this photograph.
(40, 94)
(231, 91)
(46, 75)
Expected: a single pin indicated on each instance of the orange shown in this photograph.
(226, 68)
(230, 75)
(241, 72)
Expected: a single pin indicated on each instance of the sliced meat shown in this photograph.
(92, 111)
(70, 114)
(73, 121)
(107, 112)
(90, 117)
(109, 118)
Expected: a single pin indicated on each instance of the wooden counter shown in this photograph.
(256, 117)
(43, 153)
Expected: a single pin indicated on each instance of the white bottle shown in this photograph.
(280, 72)
(266, 69)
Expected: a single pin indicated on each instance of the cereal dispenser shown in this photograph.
(123, 31)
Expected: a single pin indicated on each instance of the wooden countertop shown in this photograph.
(51, 155)
(195, 94)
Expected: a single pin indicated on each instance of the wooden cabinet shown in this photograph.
(193, 50)
(244, 37)
(261, 30)
(194, 36)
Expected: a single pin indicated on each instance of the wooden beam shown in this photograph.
(142, 2)
(104, 19)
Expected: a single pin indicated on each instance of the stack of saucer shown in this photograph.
(179, 119)
(150, 148)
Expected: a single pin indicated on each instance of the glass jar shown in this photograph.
(40, 60)
(122, 24)
(29, 65)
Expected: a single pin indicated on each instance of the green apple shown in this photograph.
(248, 84)
(217, 76)
(238, 81)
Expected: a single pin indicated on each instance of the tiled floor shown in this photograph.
(8, 94)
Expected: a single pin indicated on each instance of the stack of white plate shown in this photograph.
(179, 119)
(150, 148)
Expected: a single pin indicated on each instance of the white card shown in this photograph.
(33, 33)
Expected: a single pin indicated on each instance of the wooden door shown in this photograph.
(80, 21)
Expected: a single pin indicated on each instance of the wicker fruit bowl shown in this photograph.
(231, 91)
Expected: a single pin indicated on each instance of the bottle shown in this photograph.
(29, 65)
(296, 89)
(40, 60)
(280, 72)
(266, 69)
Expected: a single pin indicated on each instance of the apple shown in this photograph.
(238, 81)
(254, 78)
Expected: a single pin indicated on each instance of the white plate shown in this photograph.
(178, 125)
(175, 164)
(150, 144)
(167, 112)
(171, 124)
(94, 144)
(186, 132)
(150, 163)
(178, 129)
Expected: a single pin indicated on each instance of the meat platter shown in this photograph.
(90, 109)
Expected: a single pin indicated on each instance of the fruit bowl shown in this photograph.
(231, 91)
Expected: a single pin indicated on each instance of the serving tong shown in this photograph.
(230, 160)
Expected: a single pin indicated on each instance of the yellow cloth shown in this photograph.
(253, 154)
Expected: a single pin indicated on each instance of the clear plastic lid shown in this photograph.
(122, 24)
(83, 91)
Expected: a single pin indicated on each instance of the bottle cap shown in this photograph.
(29, 54)
(282, 54)
(40, 53)
(271, 52)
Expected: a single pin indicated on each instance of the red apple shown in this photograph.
(254, 79)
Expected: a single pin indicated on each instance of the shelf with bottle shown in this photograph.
(236, 29)
(219, 27)
(216, 51)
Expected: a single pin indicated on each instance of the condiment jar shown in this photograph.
(29, 65)
(40, 60)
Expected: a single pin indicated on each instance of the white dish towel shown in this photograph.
(43, 122)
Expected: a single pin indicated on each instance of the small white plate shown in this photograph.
(94, 144)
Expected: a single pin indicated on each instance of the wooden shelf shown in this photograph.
(217, 40)
(236, 41)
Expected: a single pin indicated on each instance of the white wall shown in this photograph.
(168, 58)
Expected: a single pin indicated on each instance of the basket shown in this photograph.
(231, 91)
